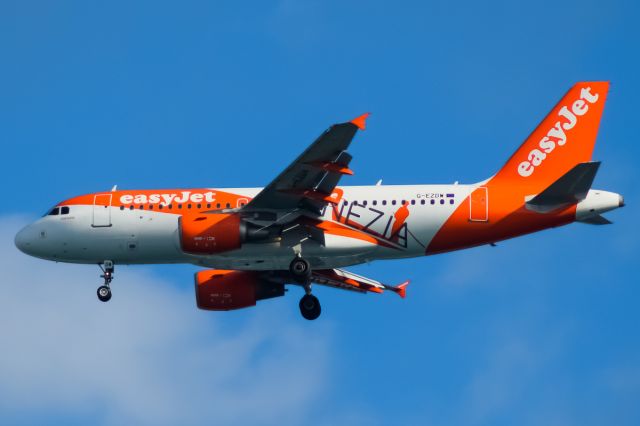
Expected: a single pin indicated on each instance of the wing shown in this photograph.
(309, 181)
(345, 280)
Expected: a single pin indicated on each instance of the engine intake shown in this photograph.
(222, 290)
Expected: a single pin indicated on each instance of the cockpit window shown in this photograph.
(55, 211)
(64, 210)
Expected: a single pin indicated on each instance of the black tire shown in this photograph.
(104, 293)
(300, 270)
(310, 307)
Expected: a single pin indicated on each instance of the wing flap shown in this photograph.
(339, 278)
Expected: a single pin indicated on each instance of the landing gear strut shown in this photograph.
(104, 291)
(300, 270)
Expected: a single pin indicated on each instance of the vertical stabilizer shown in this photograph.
(563, 139)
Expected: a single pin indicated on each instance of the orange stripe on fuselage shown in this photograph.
(184, 202)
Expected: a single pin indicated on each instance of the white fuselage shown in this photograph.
(134, 236)
(369, 223)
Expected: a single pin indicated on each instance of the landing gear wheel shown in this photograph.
(104, 293)
(300, 270)
(310, 307)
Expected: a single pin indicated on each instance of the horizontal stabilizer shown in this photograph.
(570, 188)
(596, 220)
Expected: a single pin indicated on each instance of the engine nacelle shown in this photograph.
(221, 290)
(217, 233)
(210, 233)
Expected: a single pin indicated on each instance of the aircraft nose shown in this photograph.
(24, 239)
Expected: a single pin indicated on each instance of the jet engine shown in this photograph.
(217, 233)
(222, 290)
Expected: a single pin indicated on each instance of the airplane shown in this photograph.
(303, 229)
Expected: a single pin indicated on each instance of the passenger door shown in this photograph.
(101, 210)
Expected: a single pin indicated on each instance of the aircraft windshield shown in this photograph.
(53, 212)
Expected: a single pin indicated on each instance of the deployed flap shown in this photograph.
(570, 188)
(309, 181)
(345, 280)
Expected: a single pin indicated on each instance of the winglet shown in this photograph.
(361, 121)
(401, 289)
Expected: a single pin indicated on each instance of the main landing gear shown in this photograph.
(104, 291)
(310, 307)
(300, 270)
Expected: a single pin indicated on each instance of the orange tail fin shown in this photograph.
(563, 139)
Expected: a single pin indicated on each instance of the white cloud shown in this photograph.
(148, 356)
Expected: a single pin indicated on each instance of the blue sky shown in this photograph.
(538, 330)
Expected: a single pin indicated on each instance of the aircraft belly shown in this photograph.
(337, 252)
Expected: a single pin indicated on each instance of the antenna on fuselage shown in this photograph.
(114, 188)
(379, 183)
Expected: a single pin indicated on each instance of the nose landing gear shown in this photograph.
(300, 270)
(104, 291)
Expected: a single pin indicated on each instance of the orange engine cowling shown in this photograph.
(210, 233)
(221, 290)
